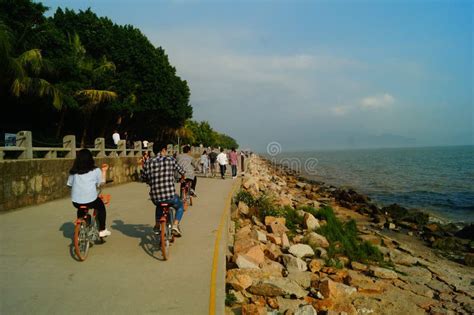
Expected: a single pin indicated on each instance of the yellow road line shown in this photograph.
(212, 299)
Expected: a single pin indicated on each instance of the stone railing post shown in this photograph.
(170, 149)
(150, 149)
(99, 144)
(24, 139)
(122, 147)
(137, 147)
(69, 142)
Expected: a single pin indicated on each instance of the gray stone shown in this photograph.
(294, 263)
(277, 287)
(245, 263)
(306, 310)
(311, 222)
(301, 250)
(303, 278)
(383, 273)
(314, 239)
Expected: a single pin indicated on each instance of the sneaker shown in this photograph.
(176, 231)
(156, 230)
(104, 233)
(192, 192)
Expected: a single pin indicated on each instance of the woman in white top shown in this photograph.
(204, 161)
(84, 178)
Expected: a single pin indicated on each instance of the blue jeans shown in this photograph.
(176, 203)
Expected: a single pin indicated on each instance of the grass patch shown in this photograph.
(343, 239)
(230, 299)
(245, 197)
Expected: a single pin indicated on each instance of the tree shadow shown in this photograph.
(148, 241)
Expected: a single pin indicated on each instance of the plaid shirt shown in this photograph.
(158, 173)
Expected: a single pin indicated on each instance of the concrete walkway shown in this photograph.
(38, 274)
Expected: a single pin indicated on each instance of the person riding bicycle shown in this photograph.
(187, 162)
(158, 173)
(84, 178)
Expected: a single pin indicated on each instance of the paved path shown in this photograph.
(38, 274)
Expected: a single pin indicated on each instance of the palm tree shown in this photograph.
(91, 98)
(22, 73)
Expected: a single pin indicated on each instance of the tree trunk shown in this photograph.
(61, 123)
(85, 130)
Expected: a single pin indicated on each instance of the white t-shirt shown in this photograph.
(222, 159)
(116, 137)
(145, 144)
(84, 186)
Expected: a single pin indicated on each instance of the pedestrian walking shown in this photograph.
(233, 157)
(204, 161)
(223, 161)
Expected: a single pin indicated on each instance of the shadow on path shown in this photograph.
(148, 242)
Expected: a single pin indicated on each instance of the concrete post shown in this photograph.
(24, 139)
(170, 149)
(99, 143)
(122, 148)
(51, 154)
(137, 147)
(150, 149)
(69, 142)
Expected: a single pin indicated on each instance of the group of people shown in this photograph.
(158, 172)
(209, 160)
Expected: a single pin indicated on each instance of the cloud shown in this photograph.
(377, 101)
(340, 110)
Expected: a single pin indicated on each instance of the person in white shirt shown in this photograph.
(223, 161)
(84, 178)
(116, 137)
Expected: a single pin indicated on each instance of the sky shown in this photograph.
(313, 75)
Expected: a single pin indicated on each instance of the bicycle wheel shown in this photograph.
(165, 245)
(81, 240)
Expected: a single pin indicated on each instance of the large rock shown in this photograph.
(243, 208)
(331, 289)
(314, 239)
(316, 265)
(306, 310)
(293, 263)
(252, 309)
(287, 305)
(245, 263)
(242, 245)
(310, 222)
(363, 283)
(383, 273)
(256, 254)
(277, 228)
(303, 278)
(238, 281)
(250, 183)
(401, 258)
(272, 268)
(259, 235)
(272, 251)
(301, 250)
(274, 239)
(277, 287)
(269, 220)
(285, 242)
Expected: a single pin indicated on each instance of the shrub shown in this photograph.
(245, 197)
(343, 239)
(230, 299)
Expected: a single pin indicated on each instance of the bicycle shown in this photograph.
(165, 236)
(86, 230)
(186, 195)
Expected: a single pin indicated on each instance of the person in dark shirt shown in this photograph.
(158, 173)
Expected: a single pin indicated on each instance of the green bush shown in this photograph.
(343, 239)
(230, 299)
(245, 197)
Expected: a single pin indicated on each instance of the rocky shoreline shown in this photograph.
(302, 247)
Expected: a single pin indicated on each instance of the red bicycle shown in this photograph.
(186, 195)
(165, 236)
(86, 230)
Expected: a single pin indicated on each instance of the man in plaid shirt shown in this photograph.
(158, 173)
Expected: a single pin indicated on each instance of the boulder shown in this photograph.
(316, 265)
(272, 251)
(259, 235)
(277, 228)
(293, 263)
(239, 282)
(331, 289)
(274, 239)
(288, 306)
(277, 287)
(269, 220)
(310, 222)
(401, 258)
(306, 310)
(301, 250)
(285, 242)
(245, 263)
(243, 208)
(363, 283)
(252, 309)
(358, 266)
(300, 185)
(314, 240)
(383, 273)
(303, 278)
(272, 268)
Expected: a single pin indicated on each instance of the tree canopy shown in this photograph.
(77, 73)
